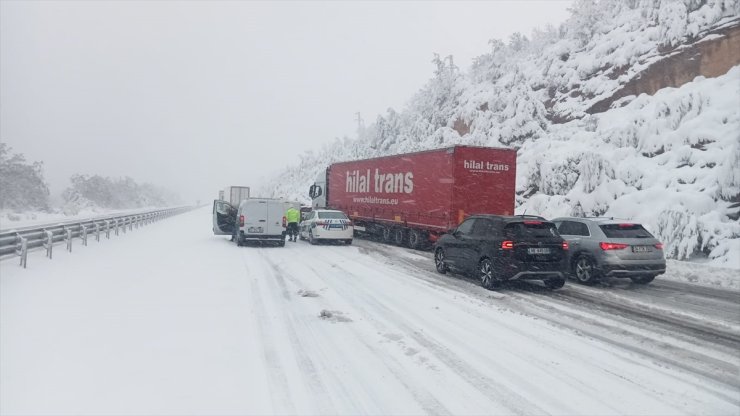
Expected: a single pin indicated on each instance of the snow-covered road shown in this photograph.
(173, 320)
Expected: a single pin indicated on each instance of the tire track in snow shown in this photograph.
(425, 399)
(311, 377)
(566, 296)
(653, 352)
(512, 400)
(279, 388)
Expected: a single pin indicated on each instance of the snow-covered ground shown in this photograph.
(173, 320)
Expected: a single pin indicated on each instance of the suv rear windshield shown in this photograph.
(530, 229)
(332, 216)
(625, 231)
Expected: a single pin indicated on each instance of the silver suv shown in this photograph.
(602, 247)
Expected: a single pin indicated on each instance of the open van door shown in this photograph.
(224, 218)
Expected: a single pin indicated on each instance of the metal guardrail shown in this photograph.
(18, 242)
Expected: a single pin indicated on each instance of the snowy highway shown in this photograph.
(173, 320)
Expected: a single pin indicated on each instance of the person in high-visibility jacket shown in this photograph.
(292, 216)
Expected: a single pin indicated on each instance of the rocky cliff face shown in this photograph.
(712, 55)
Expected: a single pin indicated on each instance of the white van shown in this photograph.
(256, 219)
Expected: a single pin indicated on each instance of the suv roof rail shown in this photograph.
(606, 218)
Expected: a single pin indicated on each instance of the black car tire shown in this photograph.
(439, 260)
(282, 243)
(585, 271)
(643, 280)
(239, 241)
(487, 275)
(311, 240)
(554, 283)
(348, 242)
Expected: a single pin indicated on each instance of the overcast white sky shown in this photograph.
(197, 95)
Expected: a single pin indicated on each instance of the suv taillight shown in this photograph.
(659, 246)
(507, 245)
(565, 245)
(241, 220)
(612, 246)
(285, 222)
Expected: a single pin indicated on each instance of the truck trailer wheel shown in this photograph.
(399, 236)
(386, 234)
(414, 239)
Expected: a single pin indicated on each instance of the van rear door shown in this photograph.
(224, 218)
(255, 217)
(275, 214)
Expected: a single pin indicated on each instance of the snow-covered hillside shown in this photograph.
(671, 160)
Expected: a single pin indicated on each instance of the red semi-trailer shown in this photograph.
(413, 198)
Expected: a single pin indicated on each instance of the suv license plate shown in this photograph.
(538, 250)
(641, 249)
(254, 229)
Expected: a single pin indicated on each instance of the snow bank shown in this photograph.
(10, 220)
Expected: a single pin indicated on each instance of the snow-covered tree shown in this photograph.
(22, 184)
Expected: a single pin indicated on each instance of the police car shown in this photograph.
(324, 225)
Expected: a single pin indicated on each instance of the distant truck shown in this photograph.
(235, 194)
(414, 198)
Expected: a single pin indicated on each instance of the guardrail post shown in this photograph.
(22, 249)
(49, 243)
(83, 234)
(68, 238)
(116, 226)
(123, 221)
(97, 232)
(130, 224)
(107, 229)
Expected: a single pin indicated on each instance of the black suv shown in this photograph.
(499, 248)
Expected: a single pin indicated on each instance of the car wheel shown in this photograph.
(349, 242)
(238, 240)
(439, 260)
(310, 237)
(414, 239)
(643, 280)
(585, 271)
(554, 283)
(487, 275)
(282, 243)
(386, 234)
